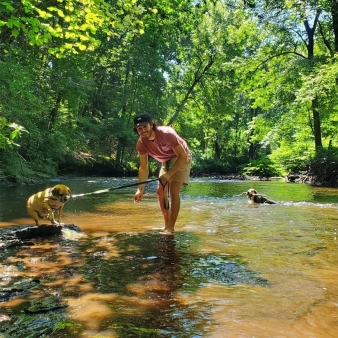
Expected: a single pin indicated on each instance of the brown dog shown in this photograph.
(44, 203)
(255, 197)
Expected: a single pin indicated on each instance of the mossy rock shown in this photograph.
(32, 325)
(39, 319)
(45, 304)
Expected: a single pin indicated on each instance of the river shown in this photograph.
(232, 269)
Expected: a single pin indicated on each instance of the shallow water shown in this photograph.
(232, 270)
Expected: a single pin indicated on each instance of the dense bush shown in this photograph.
(323, 169)
(202, 166)
(263, 167)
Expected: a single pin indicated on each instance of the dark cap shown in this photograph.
(141, 120)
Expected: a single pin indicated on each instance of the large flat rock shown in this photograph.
(14, 236)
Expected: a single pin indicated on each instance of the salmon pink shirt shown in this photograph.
(161, 148)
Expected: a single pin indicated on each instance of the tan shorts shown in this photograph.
(182, 175)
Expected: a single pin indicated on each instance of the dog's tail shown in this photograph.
(269, 201)
(258, 198)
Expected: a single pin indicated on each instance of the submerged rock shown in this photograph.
(18, 235)
(32, 325)
(48, 303)
(39, 318)
(19, 289)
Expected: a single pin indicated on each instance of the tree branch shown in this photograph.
(277, 55)
(197, 78)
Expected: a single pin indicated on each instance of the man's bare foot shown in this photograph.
(167, 232)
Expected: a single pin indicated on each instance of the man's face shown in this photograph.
(146, 131)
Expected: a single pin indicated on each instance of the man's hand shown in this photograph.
(138, 196)
(165, 178)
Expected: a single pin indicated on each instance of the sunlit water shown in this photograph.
(232, 269)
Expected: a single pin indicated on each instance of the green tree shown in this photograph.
(292, 47)
(204, 82)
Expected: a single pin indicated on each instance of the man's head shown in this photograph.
(141, 122)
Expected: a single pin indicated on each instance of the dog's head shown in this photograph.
(251, 192)
(61, 192)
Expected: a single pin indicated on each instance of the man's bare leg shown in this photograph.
(162, 196)
(170, 216)
(175, 188)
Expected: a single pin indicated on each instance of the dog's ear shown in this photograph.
(56, 191)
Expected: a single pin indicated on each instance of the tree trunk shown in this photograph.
(334, 13)
(316, 126)
(315, 112)
(217, 150)
(122, 140)
(54, 112)
(252, 147)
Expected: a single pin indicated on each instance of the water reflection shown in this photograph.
(142, 281)
(232, 270)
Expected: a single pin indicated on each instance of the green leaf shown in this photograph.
(15, 33)
(7, 5)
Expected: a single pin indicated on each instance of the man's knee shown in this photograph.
(175, 188)
(160, 192)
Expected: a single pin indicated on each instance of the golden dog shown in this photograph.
(255, 197)
(44, 203)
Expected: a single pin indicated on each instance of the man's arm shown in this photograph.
(182, 159)
(143, 173)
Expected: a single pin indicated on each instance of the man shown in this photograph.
(167, 147)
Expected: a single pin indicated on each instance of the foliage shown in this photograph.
(15, 168)
(292, 157)
(323, 168)
(9, 132)
(242, 82)
(72, 26)
(263, 167)
(207, 166)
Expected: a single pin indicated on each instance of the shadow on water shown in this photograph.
(118, 283)
(155, 280)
